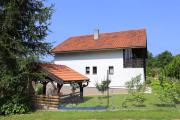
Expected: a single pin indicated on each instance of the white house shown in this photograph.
(120, 54)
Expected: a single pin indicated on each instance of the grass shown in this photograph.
(151, 111)
(151, 103)
(103, 115)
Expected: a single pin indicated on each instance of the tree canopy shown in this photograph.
(173, 68)
(163, 62)
(163, 59)
(23, 29)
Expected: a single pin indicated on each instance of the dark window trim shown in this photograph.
(94, 73)
(87, 71)
(113, 70)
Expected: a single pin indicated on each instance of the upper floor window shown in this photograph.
(94, 70)
(128, 54)
(111, 70)
(87, 70)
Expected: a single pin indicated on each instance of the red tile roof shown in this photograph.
(63, 72)
(114, 40)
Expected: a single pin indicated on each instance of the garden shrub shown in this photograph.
(15, 105)
(103, 86)
(39, 89)
(136, 90)
(166, 91)
(178, 88)
(13, 108)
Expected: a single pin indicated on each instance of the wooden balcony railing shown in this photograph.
(134, 63)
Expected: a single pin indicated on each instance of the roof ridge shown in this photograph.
(101, 33)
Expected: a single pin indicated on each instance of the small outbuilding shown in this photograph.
(61, 74)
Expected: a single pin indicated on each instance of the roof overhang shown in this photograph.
(95, 50)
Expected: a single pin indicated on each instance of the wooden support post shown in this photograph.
(44, 87)
(59, 86)
(81, 91)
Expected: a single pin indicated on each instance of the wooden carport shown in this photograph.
(62, 74)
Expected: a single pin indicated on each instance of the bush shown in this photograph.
(103, 86)
(13, 108)
(17, 105)
(166, 91)
(39, 89)
(136, 90)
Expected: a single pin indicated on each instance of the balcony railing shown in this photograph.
(134, 63)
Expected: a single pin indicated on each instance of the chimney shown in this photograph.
(96, 34)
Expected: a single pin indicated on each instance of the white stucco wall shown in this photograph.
(101, 59)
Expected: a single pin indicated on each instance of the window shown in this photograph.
(128, 54)
(111, 70)
(87, 70)
(94, 70)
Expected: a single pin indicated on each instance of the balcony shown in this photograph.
(134, 63)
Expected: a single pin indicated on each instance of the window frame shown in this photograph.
(112, 69)
(86, 70)
(94, 73)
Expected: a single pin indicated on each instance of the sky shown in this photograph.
(161, 19)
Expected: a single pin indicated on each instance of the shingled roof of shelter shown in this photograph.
(62, 72)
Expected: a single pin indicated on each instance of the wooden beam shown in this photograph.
(59, 86)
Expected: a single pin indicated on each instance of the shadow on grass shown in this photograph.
(75, 100)
(104, 97)
(140, 105)
(178, 102)
(165, 105)
(87, 98)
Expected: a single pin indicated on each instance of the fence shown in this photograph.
(46, 102)
(138, 62)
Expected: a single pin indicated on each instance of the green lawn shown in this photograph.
(150, 111)
(105, 115)
(151, 103)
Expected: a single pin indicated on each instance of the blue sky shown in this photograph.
(161, 18)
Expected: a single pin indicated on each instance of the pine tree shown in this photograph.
(23, 29)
